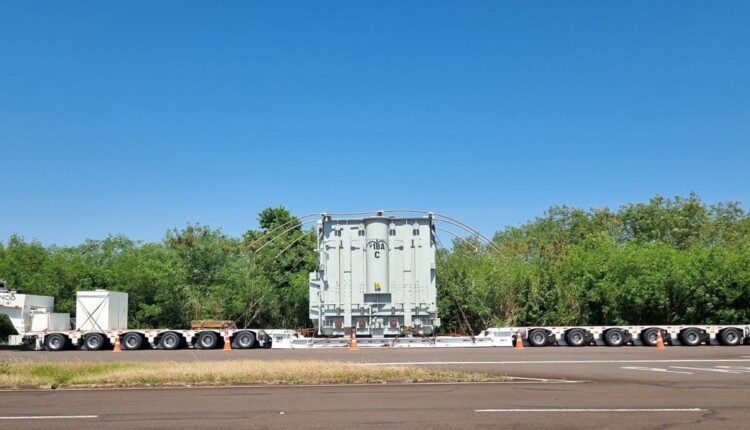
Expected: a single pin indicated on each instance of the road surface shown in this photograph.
(585, 388)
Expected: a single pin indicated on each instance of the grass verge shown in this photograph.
(143, 374)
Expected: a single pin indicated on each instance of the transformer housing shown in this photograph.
(376, 274)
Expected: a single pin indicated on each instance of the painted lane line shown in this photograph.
(736, 368)
(545, 380)
(421, 363)
(706, 370)
(594, 410)
(654, 369)
(51, 417)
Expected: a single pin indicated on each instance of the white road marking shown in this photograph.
(593, 410)
(521, 379)
(654, 369)
(705, 370)
(421, 363)
(51, 417)
(736, 368)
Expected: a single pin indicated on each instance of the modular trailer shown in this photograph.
(102, 321)
(375, 280)
(41, 329)
(689, 335)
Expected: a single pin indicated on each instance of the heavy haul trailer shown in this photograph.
(101, 320)
(375, 280)
(728, 335)
(689, 335)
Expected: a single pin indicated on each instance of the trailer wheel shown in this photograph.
(207, 340)
(537, 337)
(93, 341)
(576, 337)
(55, 342)
(132, 341)
(244, 340)
(170, 340)
(649, 336)
(614, 337)
(690, 336)
(730, 337)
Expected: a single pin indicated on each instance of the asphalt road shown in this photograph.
(593, 387)
(516, 406)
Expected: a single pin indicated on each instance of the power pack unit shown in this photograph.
(101, 310)
(376, 274)
(19, 306)
(50, 321)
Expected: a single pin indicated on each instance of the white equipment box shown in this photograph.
(101, 310)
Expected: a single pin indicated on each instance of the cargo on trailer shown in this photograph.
(376, 274)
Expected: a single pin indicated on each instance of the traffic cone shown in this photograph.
(519, 340)
(118, 347)
(227, 343)
(659, 340)
(353, 344)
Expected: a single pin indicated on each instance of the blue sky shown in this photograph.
(135, 118)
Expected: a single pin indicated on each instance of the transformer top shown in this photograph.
(356, 216)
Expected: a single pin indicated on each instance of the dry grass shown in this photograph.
(138, 374)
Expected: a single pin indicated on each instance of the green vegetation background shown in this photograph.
(677, 261)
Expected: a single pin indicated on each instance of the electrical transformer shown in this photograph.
(375, 274)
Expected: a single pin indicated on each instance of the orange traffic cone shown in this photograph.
(227, 343)
(118, 347)
(519, 340)
(659, 340)
(353, 344)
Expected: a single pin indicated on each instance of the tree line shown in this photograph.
(666, 261)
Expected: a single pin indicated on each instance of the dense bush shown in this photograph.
(667, 261)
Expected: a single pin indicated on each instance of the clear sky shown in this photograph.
(138, 117)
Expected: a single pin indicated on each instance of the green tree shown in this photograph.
(203, 254)
(283, 255)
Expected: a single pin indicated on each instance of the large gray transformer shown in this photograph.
(374, 273)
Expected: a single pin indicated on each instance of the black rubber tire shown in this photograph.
(690, 336)
(576, 337)
(615, 337)
(94, 341)
(730, 337)
(537, 337)
(207, 340)
(55, 342)
(649, 336)
(170, 340)
(132, 341)
(244, 340)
